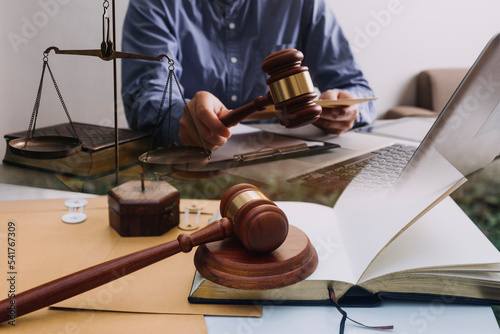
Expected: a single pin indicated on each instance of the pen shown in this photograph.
(269, 153)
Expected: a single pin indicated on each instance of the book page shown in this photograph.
(443, 237)
(368, 221)
(317, 222)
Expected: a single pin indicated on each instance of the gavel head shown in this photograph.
(257, 222)
(291, 88)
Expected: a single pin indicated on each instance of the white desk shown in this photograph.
(407, 318)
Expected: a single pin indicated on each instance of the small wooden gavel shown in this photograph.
(290, 89)
(257, 222)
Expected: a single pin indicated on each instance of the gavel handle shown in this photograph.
(100, 274)
(237, 115)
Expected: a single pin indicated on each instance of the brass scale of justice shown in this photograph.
(291, 91)
(252, 247)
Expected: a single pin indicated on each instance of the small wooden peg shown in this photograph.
(142, 181)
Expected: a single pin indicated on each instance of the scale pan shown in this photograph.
(46, 147)
(175, 159)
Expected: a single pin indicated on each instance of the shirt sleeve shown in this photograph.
(331, 62)
(147, 31)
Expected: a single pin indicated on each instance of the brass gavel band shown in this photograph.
(290, 87)
(241, 200)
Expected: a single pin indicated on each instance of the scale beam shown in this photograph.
(111, 56)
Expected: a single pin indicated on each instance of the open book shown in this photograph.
(442, 256)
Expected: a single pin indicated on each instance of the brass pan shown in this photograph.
(46, 147)
(175, 159)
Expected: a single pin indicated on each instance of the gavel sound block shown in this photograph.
(235, 264)
(290, 90)
(267, 246)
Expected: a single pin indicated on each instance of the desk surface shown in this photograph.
(407, 317)
(434, 317)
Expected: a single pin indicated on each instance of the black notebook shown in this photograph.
(97, 157)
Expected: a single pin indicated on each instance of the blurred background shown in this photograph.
(393, 40)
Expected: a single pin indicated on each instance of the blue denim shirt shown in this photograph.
(219, 46)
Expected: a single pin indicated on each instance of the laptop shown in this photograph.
(465, 135)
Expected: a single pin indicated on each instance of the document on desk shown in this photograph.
(48, 249)
(250, 146)
(271, 112)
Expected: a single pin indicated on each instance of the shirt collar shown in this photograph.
(224, 7)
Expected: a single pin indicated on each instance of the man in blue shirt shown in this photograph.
(218, 47)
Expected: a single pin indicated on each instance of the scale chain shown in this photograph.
(31, 128)
(158, 116)
(168, 87)
(62, 100)
(34, 115)
(191, 117)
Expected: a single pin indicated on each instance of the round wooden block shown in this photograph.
(229, 264)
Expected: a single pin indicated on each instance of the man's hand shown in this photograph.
(205, 109)
(339, 119)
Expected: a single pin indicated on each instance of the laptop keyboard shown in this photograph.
(378, 169)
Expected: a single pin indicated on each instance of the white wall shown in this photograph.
(395, 39)
(392, 39)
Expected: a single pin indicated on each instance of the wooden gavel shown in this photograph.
(255, 220)
(290, 90)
